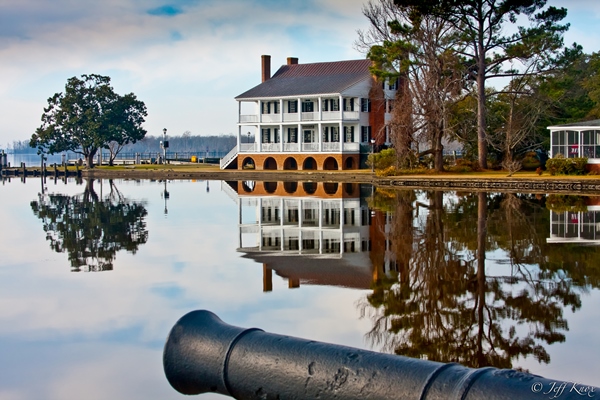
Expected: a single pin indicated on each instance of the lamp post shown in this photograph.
(372, 156)
(165, 144)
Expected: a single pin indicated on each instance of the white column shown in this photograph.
(240, 223)
(281, 138)
(258, 139)
(341, 226)
(320, 136)
(300, 137)
(239, 111)
(259, 111)
(320, 226)
(320, 108)
(280, 110)
(260, 231)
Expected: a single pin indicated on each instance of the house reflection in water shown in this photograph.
(316, 233)
(579, 224)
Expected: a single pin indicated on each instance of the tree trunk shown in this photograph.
(438, 160)
(481, 117)
(90, 158)
(481, 279)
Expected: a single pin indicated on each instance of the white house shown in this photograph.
(580, 139)
(311, 116)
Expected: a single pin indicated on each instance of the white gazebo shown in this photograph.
(580, 139)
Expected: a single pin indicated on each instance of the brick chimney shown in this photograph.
(265, 67)
(292, 60)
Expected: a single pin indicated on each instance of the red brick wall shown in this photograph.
(377, 115)
(260, 158)
(301, 189)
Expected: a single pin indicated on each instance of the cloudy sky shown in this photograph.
(186, 59)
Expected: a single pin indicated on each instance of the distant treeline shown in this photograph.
(186, 143)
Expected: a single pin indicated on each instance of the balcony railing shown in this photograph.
(330, 115)
(297, 117)
(247, 147)
(310, 116)
(296, 147)
(351, 115)
(271, 117)
(248, 118)
(271, 147)
(351, 146)
(310, 146)
(287, 117)
(331, 146)
(291, 147)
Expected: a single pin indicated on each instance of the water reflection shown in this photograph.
(91, 229)
(309, 233)
(453, 277)
(442, 300)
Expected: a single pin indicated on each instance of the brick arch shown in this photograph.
(290, 187)
(270, 163)
(247, 162)
(309, 187)
(330, 163)
(290, 163)
(309, 163)
(349, 163)
(330, 188)
(270, 187)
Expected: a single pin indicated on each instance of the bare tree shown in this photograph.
(420, 53)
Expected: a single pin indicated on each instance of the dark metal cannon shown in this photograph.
(204, 354)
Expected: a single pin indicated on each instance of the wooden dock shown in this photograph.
(54, 170)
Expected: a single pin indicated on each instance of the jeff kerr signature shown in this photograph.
(556, 389)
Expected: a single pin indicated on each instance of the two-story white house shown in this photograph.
(311, 117)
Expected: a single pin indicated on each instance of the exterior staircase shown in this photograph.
(229, 158)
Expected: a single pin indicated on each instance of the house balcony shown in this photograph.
(325, 147)
(300, 117)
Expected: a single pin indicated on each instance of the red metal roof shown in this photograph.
(309, 79)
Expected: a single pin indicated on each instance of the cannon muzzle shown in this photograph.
(204, 354)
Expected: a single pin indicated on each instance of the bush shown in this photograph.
(530, 162)
(389, 171)
(464, 165)
(561, 203)
(566, 166)
(382, 160)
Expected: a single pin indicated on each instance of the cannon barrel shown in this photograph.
(203, 354)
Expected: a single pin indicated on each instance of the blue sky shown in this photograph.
(186, 59)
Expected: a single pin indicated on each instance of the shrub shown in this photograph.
(566, 166)
(389, 171)
(385, 158)
(561, 203)
(530, 162)
(382, 160)
(464, 165)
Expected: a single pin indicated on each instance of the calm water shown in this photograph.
(94, 275)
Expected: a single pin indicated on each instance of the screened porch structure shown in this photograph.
(580, 139)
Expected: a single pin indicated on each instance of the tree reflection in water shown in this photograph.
(90, 229)
(439, 301)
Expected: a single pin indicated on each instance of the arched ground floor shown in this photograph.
(293, 162)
